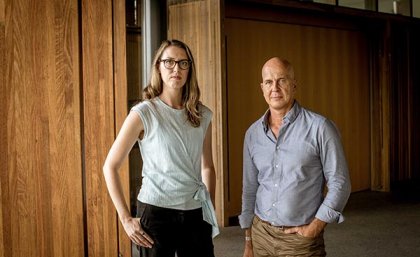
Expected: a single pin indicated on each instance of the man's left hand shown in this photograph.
(310, 230)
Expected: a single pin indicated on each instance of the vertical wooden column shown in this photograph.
(98, 124)
(121, 105)
(380, 114)
(41, 166)
(3, 136)
(198, 23)
(104, 110)
(401, 92)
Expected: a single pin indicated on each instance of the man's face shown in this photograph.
(278, 88)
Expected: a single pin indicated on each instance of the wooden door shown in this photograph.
(331, 66)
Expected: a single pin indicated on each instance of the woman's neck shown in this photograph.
(173, 100)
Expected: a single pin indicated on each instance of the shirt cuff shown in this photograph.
(329, 215)
(245, 220)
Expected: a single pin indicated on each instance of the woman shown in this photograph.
(173, 129)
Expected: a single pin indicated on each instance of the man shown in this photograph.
(290, 154)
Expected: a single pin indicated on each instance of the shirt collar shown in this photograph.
(290, 117)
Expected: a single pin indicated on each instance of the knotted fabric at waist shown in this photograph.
(209, 214)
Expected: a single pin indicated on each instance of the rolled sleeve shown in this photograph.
(249, 187)
(329, 215)
(336, 174)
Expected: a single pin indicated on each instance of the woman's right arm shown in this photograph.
(127, 137)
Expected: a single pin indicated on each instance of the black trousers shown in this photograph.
(175, 231)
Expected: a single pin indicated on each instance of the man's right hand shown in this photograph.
(248, 249)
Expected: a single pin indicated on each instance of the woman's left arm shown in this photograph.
(207, 167)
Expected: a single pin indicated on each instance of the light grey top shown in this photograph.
(171, 150)
(284, 178)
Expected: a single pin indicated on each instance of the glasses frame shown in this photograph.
(167, 66)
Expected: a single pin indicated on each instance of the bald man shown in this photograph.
(289, 155)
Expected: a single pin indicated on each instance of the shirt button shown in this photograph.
(274, 204)
(275, 185)
(277, 147)
(277, 165)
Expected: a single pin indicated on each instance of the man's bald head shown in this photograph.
(276, 62)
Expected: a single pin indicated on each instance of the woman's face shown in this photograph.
(174, 67)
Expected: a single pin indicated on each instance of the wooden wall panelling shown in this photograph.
(134, 74)
(120, 90)
(42, 187)
(415, 101)
(64, 127)
(380, 106)
(4, 199)
(244, 99)
(197, 23)
(99, 124)
(401, 102)
(375, 115)
(331, 66)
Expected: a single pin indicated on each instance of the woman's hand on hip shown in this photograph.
(136, 233)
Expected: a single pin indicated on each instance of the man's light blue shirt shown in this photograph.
(284, 178)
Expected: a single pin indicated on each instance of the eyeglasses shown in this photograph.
(182, 64)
